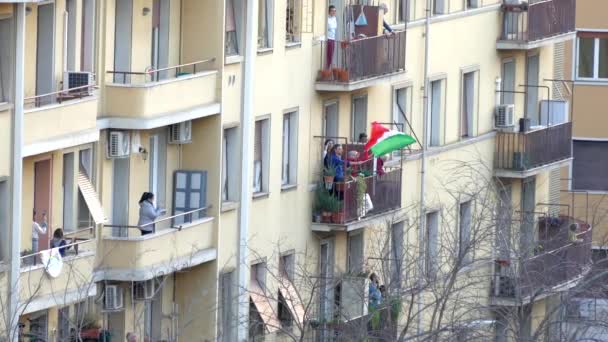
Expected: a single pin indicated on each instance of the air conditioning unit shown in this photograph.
(143, 290)
(113, 298)
(180, 133)
(118, 144)
(505, 116)
(77, 79)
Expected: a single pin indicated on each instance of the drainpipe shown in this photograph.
(16, 174)
(246, 170)
(425, 123)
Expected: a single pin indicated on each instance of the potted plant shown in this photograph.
(343, 75)
(325, 75)
(361, 191)
(337, 214)
(329, 173)
(322, 205)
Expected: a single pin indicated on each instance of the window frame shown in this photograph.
(355, 135)
(238, 10)
(265, 156)
(293, 38)
(474, 116)
(408, 88)
(268, 18)
(572, 167)
(291, 164)
(442, 79)
(596, 58)
(230, 155)
(466, 256)
(430, 260)
(351, 267)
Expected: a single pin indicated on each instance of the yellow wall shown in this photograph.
(589, 14)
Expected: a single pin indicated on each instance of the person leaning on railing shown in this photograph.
(387, 28)
(148, 213)
(58, 241)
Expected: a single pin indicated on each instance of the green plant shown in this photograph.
(361, 191)
(396, 306)
(321, 198)
(375, 319)
(333, 204)
(329, 170)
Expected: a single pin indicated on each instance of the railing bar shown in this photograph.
(64, 246)
(61, 91)
(158, 221)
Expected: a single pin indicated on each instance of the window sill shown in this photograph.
(293, 45)
(234, 59)
(229, 206)
(289, 187)
(260, 195)
(5, 106)
(265, 51)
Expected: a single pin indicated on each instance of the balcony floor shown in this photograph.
(371, 220)
(325, 86)
(529, 45)
(506, 173)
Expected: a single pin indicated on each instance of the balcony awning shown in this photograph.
(264, 307)
(293, 301)
(91, 198)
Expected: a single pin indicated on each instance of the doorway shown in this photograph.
(45, 74)
(42, 197)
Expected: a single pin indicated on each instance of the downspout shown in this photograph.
(246, 170)
(17, 174)
(425, 124)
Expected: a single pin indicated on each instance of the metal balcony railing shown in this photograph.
(60, 96)
(561, 257)
(536, 20)
(154, 75)
(363, 58)
(522, 151)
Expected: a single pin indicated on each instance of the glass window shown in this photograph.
(232, 43)
(586, 57)
(603, 58)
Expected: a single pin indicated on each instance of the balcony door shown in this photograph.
(528, 205)
(532, 66)
(42, 197)
(160, 37)
(120, 196)
(330, 119)
(45, 50)
(122, 39)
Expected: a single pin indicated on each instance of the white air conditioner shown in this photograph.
(118, 144)
(113, 298)
(505, 116)
(77, 79)
(143, 290)
(180, 133)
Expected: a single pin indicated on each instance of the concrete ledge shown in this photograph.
(356, 85)
(524, 45)
(61, 299)
(505, 173)
(65, 141)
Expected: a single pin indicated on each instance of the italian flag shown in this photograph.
(384, 141)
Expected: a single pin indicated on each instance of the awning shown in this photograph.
(91, 198)
(264, 307)
(293, 301)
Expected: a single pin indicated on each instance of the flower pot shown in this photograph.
(343, 76)
(344, 44)
(326, 217)
(336, 73)
(325, 75)
(338, 217)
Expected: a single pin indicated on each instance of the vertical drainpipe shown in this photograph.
(246, 170)
(16, 174)
(425, 124)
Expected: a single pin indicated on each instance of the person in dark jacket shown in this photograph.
(148, 213)
(58, 241)
(387, 28)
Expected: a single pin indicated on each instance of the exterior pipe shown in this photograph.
(425, 124)
(16, 175)
(246, 169)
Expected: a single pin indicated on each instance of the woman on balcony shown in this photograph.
(148, 213)
(332, 26)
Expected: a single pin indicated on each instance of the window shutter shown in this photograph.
(189, 193)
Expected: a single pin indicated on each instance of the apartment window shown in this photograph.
(234, 20)
(437, 112)
(230, 154)
(403, 10)
(4, 218)
(87, 44)
(355, 253)
(292, 21)
(71, 38)
(469, 103)
(157, 159)
(397, 242)
(69, 192)
(402, 102)
(472, 3)
(287, 271)
(439, 6)
(290, 149)
(260, 156)
(189, 194)
(593, 56)
(464, 222)
(85, 164)
(528, 234)
(503, 233)
(330, 119)
(287, 266)
(359, 116)
(265, 21)
(227, 309)
(508, 82)
(432, 243)
(39, 325)
(259, 308)
(63, 324)
(532, 78)
(589, 169)
(6, 58)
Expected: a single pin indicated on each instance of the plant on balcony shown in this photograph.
(335, 207)
(361, 192)
(322, 205)
(329, 173)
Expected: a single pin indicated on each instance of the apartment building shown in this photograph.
(122, 97)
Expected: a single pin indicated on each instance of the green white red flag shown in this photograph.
(384, 141)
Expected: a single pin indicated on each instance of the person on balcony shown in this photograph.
(335, 160)
(329, 144)
(387, 28)
(148, 213)
(332, 26)
(59, 242)
(36, 230)
(375, 296)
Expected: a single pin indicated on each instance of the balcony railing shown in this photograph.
(59, 96)
(540, 19)
(154, 75)
(175, 222)
(523, 151)
(562, 256)
(361, 59)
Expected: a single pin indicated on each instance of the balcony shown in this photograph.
(524, 154)
(541, 22)
(46, 284)
(177, 243)
(362, 62)
(60, 119)
(155, 98)
(562, 258)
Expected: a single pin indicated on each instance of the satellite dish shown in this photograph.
(52, 261)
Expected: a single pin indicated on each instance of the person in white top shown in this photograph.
(37, 229)
(332, 26)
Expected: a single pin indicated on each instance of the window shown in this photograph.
(87, 44)
(403, 10)
(265, 21)
(287, 266)
(69, 192)
(85, 164)
(355, 253)
(593, 56)
(589, 169)
(260, 156)
(39, 325)
(532, 108)
(397, 255)
(464, 241)
(290, 149)
(330, 119)
(359, 116)
(6, 58)
(227, 307)
(472, 3)
(439, 6)
(528, 234)
(402, 101)
(4, 218)
(287, 269)
(230, 170)
(157, 154)
(437, 109)
(431, 248)
(292, 21)
(258, 275)
(262, 316)
(189, 193)
(469, 104)
(63, 324)
(234, 20)
(326, 286)
(503, 232)
(508, 82)
(71, 38)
